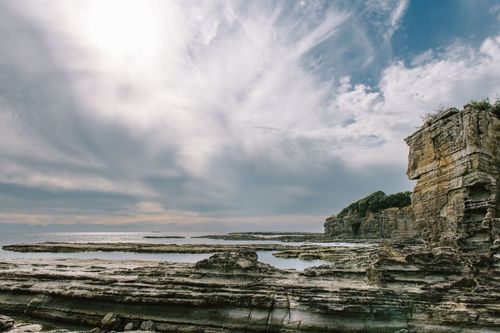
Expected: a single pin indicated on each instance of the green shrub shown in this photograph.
(483, 104)
(376, 202)
(495, 108)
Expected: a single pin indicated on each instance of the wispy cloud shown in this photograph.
(227, 110)
(390, 12)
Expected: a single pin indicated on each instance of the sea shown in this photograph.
(8, 238)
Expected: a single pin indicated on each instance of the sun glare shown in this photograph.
(126, 30)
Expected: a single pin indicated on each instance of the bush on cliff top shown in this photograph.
(483, 104)
(376, 202)
(486, 105)
(480, 105)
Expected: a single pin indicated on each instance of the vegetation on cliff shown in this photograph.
(486, 105)
(479, 105)
(376, 202)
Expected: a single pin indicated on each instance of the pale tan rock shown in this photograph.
(455, 159)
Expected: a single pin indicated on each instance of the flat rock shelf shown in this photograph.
(372, 289)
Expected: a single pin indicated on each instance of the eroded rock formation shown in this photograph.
(189, 298)
(66, 247)
(387, 223)
(455, 159)
(6, 323)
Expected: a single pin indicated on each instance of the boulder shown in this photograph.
(131, 326)
(6, 323)
(242, 260)
(148, 326)
(111, 321)
(26, 328)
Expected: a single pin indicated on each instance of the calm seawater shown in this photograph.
(137, 237)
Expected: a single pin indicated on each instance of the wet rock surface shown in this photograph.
(111, 322)
(242, 260)
(393, 287)
(6, 323)
(179, 297)
(61, 247)
(273, 236)
(27, 326)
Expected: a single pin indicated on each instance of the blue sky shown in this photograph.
(224, 115)
(432, 24)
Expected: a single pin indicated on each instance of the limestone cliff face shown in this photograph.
(387, 223)
(455, 159)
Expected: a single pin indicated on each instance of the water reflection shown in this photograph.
(264, 256)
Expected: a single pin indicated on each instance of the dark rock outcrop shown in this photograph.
(148, 326)
(131, 326)
(240, 261)
(390, 222)
(66, 247)
(111, 322)
(276, 236)
(6, 323)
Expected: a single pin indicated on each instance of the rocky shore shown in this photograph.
(386, 289)
(62, 247)
(272, 236)
(229, 292)
(303, 252)
(444, 277)
(388, 223)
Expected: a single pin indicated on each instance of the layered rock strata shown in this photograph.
(387, 223)
(62, 247)
(455, 159)
(233, 292)
(227, 293)
(277, 236)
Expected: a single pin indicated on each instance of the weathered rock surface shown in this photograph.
(404, 288)
(164, 237)
(6, 323)
(29, 327)
(131, 326)
(311, 251)
(242, 260)
(387, 223)
(139, 247)
(455, 159)
(276, 236)
(111, 322)
(148, 326)
(26, 328)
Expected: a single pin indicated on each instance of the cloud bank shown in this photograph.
(213, 112)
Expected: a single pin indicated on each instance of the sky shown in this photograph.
(223, 115)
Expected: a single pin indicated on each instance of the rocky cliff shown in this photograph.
(375, 216)
(455, 159)
(390, 222)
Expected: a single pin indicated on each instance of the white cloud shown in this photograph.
(392, 11)
(495, 10)
(405, 93)
(396, 16)
(214, 104)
